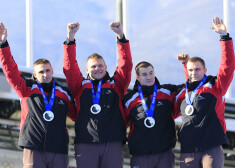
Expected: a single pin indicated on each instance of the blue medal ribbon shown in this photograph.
(148, 112)
(49, 105)
(96, 96)
(190, 101)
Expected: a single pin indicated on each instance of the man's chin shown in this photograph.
(150, 83)
(46, 81)
(98, 77)
(195, 80)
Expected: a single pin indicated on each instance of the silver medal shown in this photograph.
(95, 109)
(149, 122)
(189, 110)
(48, 115)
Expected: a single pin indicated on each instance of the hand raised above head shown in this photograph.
(219, 26)
(117, 28)
(183, 58)
(3, 33)
(72, 29)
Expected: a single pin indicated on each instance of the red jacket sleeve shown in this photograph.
(124, 68)
(226, 68)
(71, 70)
(185, 72)
(13, 75)
(72, 112)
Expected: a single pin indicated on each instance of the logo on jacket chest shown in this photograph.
(140, 110)
(107, 92)
(61, 102)
(200, 98)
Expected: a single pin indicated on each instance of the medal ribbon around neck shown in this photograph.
(190, 101)
(48, 114)
(149, 113)
(96, 96)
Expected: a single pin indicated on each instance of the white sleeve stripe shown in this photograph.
(176, 97)
(131, 99)
(59, 88)
(165, 91)
(34, 86)
(208, 85)
(85, 81)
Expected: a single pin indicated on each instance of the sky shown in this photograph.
(158, 31)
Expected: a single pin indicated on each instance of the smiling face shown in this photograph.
(96, 68)
(43, 73)
(196, 71)
(146, 76)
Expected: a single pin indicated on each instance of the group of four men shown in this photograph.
(102, 110)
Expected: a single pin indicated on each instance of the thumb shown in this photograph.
(212, 28)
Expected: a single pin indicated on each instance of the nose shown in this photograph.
(45, 74)
(96, 67)
(148, 76)
(193, 72)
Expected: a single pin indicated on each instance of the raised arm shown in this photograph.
(123, 71)
(226, 68)
(9, 66)
(183, 58)
(72, 112)
(70, 66)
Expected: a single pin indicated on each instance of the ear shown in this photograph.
(137, 77)
(86, 70)
(205, 70)
(105, 68)
(34, 74)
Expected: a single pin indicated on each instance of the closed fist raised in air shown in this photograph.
(3, 33)
(183, 58)
(72, 29)
(117, 28)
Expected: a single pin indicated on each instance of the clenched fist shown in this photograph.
(117, 28)
(183, 58)
(72, 29)
(3, 33)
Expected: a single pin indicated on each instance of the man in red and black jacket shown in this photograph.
(202, 104)
(100, 125)
(149, 108)
(44, 107)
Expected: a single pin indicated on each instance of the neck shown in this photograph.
(47, 87)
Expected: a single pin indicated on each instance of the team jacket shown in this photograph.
(109, 124)
(35, 132)
(206, 127)
(162, 136)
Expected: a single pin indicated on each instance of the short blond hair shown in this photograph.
(41, 61)
(195, 59)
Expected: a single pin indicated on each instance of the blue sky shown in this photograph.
(158, 30)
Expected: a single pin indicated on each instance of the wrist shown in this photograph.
(120, 36)
(70, 37)
(67, 40)
(2, 41)
(223, 33)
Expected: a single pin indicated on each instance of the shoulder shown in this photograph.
(129, 97)
(172, 88)
(64, 90)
